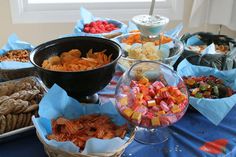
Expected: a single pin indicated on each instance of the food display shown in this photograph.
(222, 49)
(85, 127)
(99, 26)
(73, 61)
(151, 104)
(18, 102)
(147, 51)
(207, 87)
(16, 55)
(136, 38)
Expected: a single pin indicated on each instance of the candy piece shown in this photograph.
(175, 109)
(147, 97)
(190, 81)
(136, 117)
(149, 114)
(195, 90)
(198, 95)
(156, 108)
(164, 106)
(142, 109)
(128, 112)
(203, 87)
(152, 92)
(165, 94)
(170, 102)
(146, 122)
(139, 96)
(161, 112)
(164, 121)
(123, 100)
(216, 90)
(172, 118)
(151, 103)
(207, 94)
(158, 85)
(155, 121)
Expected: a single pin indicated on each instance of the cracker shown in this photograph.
(19, 121)
(24, 120)
(14, 121)
(3, 98)
(7, 107)
(28, 120)
(8, 122)
(2, 124)
(32, 108)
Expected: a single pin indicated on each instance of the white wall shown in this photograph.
(38, 33)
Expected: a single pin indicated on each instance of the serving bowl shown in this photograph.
(169, 50)
(79, 84)
(152, 96)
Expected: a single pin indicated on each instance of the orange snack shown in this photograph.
(72, 61)
(135, 38)
(80, 130)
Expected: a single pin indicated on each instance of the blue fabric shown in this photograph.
(188, 135)
(14, 43)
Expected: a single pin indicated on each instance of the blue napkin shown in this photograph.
(213, 109)
(14, 43)
(57, 103)
(87, 17)
(194, 40)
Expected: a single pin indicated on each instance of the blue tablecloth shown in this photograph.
(186, 138)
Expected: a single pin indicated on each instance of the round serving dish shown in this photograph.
(82, 83)
(169, 50)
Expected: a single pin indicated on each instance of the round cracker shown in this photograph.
(23, 120)
(3, 98)
(28, 120)
(19, 121)
(7, 107)
(8, 122)
(32, 108)
(2, 124)
(14, 121)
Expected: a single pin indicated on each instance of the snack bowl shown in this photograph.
(152, 96)
(164, 49)
(79, 84)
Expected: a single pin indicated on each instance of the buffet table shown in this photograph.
(187, 136)
(192, 136)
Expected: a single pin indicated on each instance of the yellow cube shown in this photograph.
(136, 116)
(151, 103)
(155, 121)
(128, 112)
(175, 109)
(161, 112)
(123, 100)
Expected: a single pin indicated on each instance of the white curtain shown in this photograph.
(214, 12)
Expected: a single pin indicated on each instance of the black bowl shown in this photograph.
(77, 84)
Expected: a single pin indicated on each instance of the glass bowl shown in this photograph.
(151, 96)
(164, 49)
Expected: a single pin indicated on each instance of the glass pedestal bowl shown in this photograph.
(151, 96)
(135, 48)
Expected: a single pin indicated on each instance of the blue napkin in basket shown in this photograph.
(14, 43)
(87, 17)
(57, 103)
(213, 109)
